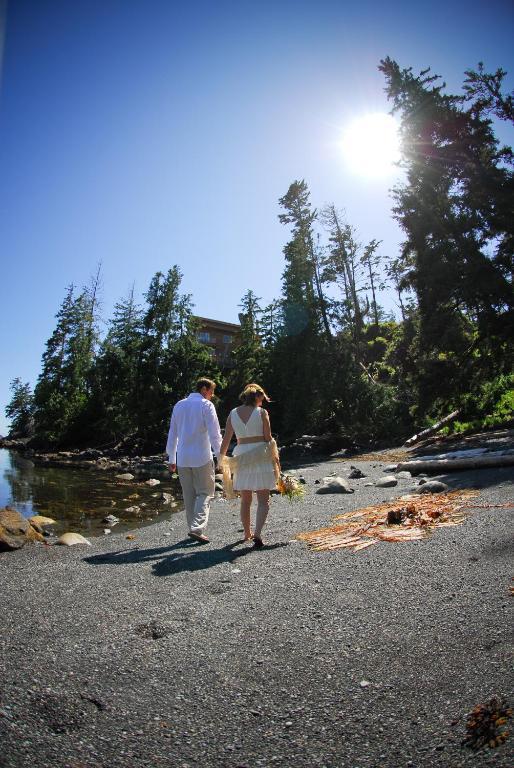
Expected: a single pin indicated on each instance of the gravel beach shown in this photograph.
(156, 651)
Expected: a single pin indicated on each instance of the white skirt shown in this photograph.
(257, 477)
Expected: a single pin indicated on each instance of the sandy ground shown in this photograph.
(157, 651)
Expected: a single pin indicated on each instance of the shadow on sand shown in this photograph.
(171, 560)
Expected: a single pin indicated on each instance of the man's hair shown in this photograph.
(203, 382)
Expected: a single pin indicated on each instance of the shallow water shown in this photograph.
(79, 499)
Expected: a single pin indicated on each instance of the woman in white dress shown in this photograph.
(254, 462)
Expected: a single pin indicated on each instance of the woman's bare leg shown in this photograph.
(246, 503)
(262, 513)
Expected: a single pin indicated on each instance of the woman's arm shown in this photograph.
(227, 437)
(266, 425)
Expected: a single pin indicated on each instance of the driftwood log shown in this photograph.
(432, 430)
(437, 466)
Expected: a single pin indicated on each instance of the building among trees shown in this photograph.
(220, 337)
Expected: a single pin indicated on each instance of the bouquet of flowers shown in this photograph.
(290, 487)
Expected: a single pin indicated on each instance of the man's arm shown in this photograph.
(171, 444)
(213, 427)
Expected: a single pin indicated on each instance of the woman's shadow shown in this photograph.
(170, 560)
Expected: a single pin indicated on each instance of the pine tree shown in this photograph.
(170, 358)
(456, 210)
(62, 389)
(113, 407)
(303, 258)
(249, 354)
(20, 409)
(341, 267)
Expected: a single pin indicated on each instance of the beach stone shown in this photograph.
(334, 485)
(111, 520)
(389, 481)
(135, 509)
(356, 474)
(166, 498)
(433, 486)
(404, 475)
(390, 468)
(41, 520)
(70, 539)
(16, 530)
(125, 476)
(152, 482)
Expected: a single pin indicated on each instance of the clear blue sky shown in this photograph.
(147, 133)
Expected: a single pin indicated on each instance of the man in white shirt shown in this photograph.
(194, 428)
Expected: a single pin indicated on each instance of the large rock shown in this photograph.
(41, 520)
(432, 486)
(16, 530)
(71, 539)
(334, 485)
(389, 481)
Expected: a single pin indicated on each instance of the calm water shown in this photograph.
(79, 499)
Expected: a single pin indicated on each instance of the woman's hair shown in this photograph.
(250, 393)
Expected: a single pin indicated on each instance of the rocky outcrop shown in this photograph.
(16, 530)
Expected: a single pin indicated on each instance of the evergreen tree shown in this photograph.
(270, 323)
(303, 258)
(62, 389)
(249, 354)
(341, 267)
(371, 261)
(456, 210)
(114, 404)
(20, 409)
(170, 358)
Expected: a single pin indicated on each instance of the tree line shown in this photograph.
(333, 360)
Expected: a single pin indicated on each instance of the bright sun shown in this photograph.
(371, 145)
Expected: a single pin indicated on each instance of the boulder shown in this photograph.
(16, 530)
(111, 520)
(70, 539)
(389, 481)
(334, 485)
(433, 486)
(41, 520)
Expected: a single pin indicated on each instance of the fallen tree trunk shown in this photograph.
(437, 466)
(432, 430)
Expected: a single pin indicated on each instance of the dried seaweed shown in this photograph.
(414, 517)
(486, 725)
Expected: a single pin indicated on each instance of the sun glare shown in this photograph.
(371, 145)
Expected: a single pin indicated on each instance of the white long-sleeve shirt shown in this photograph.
(194, 428)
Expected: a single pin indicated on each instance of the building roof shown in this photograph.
(219, 324)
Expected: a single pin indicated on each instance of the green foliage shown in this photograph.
(20, 409)
(456, 211)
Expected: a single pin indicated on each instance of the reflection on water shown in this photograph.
(79, 499)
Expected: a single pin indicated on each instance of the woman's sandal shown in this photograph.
(257, 542)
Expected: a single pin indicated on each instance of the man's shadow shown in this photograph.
(169, 561)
